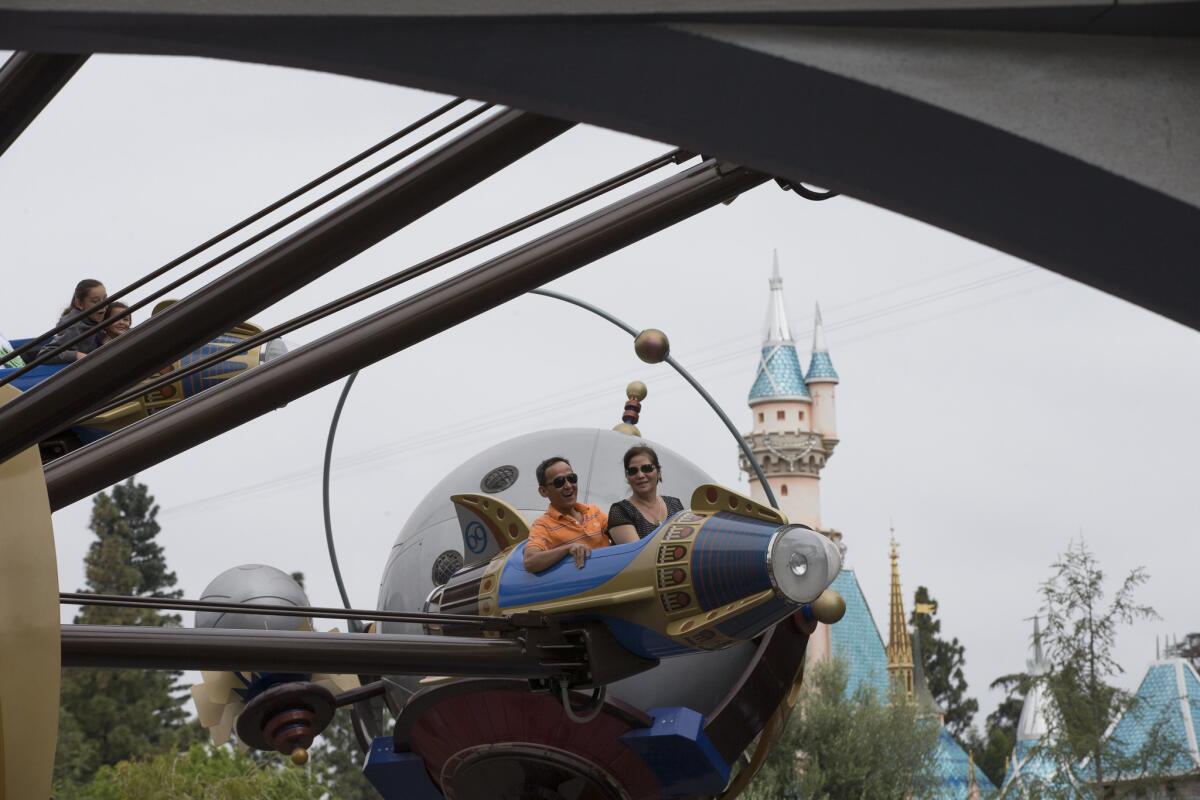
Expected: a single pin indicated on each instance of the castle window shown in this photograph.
(783, 490)
(801, 416)
(779, 414)
(760, 416)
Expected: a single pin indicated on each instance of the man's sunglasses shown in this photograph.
(645, 468)
(561, 480)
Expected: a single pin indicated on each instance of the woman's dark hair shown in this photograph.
(648, 452)
(81, 290)
(115, 308)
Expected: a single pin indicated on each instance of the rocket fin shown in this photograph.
(489, 526)
(712, 498)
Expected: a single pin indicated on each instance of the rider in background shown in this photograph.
(119, 327)
(88, 294)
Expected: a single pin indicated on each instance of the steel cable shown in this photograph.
(405, 275)
(225, 234)
(320, 201)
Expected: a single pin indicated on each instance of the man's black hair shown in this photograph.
(545, 465)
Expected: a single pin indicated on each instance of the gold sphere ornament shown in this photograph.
(652, 346)
(627, 429)
(299, 756)
(637, 391)
(829, 608)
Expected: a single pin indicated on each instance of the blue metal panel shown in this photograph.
(519, 587)
(642, 641)
(34, 376)
(679, 753)
(753, 622)
(729, 561)
(398, 776)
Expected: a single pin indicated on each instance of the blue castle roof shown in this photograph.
(1167, 704)
(821, 368)
(856, 640)
(779, 375)
(953, 769)
(1165, 708)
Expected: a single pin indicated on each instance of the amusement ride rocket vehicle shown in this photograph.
(644, 674)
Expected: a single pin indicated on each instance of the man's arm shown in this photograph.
(537, 559)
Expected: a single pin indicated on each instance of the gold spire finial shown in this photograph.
(972, 784)
(899, 648)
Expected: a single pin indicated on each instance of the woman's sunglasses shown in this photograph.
(561, 480)
(645, 468)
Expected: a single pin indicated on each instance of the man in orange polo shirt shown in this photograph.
(567, 528)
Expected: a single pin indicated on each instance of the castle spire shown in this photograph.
(778, 330)
(899, 648)
(972, 785)
(779, 375)
(820, 368)
(1032, 724)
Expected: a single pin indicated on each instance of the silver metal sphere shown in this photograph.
(253, 583)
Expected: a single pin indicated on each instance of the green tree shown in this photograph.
(993, 749)
(1080, 633)
(1189, 648)
(337, 761)
(847, 748)
(110, 715)
(943, 661)
(202, 773)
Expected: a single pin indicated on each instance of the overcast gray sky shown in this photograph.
(989, 409)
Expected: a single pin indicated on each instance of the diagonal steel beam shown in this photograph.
(28, 81)
(275, 273)
(393, 329)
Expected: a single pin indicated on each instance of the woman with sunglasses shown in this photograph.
(644, 510)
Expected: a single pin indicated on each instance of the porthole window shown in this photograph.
(499, 479)
(445, 566)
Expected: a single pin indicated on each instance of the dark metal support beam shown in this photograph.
(28, 81)
(393, 329)
(275, 273)
(121, 646)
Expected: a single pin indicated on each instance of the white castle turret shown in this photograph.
(794, 416)
(822, 380)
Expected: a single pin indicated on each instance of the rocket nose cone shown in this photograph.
(802, 563)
